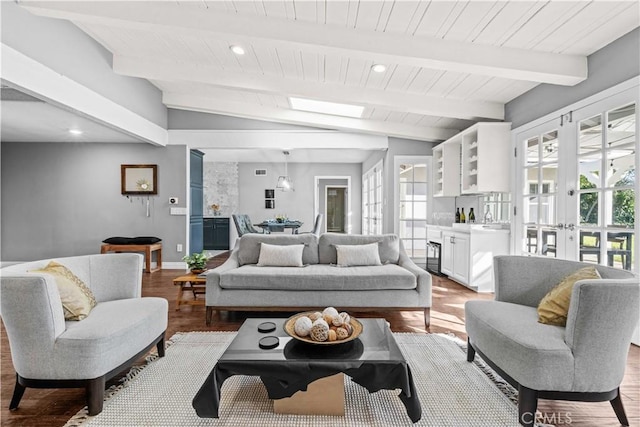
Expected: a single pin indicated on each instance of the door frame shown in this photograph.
(316, 198)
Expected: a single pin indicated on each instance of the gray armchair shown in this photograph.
(49, 352)
(584, 361)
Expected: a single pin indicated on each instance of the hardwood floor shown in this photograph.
(54, 407)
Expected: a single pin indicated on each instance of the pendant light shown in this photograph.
(284, 182)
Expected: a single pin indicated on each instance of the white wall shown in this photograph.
(297, 204)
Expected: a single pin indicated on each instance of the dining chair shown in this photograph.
(317, 225)
(243, 224)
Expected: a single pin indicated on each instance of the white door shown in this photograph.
(577, 183)
(540, 208)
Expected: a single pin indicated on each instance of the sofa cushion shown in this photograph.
(249, 246)
(353, 255)
(113, 333)
(280, 255)
(388, 246)
(554, 306)
(534, 354)
(76, 297)
(319, 277)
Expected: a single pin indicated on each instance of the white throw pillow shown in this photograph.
(351, 255)
(280, 255)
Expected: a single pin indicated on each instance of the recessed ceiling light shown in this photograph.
(379, 68)
(326, 107)
(75, 131)
(238, 50)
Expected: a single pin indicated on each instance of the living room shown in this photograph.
(81, 67)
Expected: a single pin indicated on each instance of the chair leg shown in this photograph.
(95, 395)
(18, 391)
(471, 352)
(527, 406)
(618, 408)
(427, 317)
(160, 347)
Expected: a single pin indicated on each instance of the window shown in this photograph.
(372, 200)
(411, 201)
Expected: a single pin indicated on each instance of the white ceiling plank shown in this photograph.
(275, 9)
(306, 11)
(271, 84)
(401, 16)
(34, 78)
(475, 16)
(592, 37)
(514, 63)
(545, 23)
(239, 109)
(433, 17)
(368, 15)
(337, 13)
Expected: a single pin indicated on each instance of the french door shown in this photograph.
(577, 184)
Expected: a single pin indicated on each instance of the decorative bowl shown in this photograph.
(291, 321)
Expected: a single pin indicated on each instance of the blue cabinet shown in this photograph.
(216, 233)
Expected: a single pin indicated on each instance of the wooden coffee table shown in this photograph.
(373, 360)
(190, 282)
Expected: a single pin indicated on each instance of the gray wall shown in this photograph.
(63, 199)
(297, 204)
(65, 48)
(615, 63)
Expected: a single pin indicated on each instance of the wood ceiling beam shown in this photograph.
(326, 121)
(428, 52)
(174, 71)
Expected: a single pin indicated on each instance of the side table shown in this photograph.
(190, 282)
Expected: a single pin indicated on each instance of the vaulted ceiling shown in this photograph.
(448, 63)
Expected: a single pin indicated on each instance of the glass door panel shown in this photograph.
(577, 184)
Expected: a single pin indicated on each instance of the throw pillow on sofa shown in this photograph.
(554, 306)
(280, 255)
(354, 255)
(77, 299)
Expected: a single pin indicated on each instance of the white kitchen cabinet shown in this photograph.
(457, 251)
(485, 158)
(467, 254)
(474, 161)
(446, 170)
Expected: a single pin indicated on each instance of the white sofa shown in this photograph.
(49, 352)
(239, 284)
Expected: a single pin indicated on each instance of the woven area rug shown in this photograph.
(452, 391)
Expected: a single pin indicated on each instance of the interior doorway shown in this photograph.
(336, 208)
(340, 201)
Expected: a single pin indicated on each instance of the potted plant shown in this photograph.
(196, 262)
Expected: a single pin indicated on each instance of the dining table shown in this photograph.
(271, 226)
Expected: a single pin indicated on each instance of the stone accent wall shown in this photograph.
(221, 188)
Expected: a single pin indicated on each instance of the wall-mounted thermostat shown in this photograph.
(173, 200)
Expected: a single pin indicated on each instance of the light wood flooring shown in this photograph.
(54, 407)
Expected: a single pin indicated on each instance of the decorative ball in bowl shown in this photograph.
(328, 327)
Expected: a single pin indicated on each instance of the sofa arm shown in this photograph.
(423, 279)
(213, 277)
(602, 317)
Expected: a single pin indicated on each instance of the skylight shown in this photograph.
(324, 107)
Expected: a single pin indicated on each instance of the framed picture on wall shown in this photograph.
(139, 179)
(270, 204)
(269, 194)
